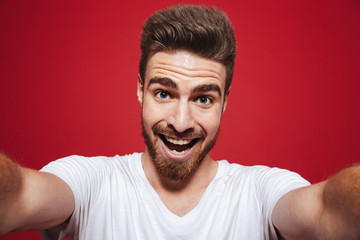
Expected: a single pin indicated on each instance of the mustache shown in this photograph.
(171, 131)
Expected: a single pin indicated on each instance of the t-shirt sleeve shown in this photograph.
(81, 174)
(271, 184)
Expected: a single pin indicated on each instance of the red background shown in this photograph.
(68, 72)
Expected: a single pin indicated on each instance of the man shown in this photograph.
(175, 190)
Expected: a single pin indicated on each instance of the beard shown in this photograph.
(172, 169)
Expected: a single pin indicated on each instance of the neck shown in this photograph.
(199, 179)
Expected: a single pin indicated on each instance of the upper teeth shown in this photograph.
(178, 141)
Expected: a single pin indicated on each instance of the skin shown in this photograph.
(187, 103)
(306, 213)
(328, 210)
(39, 200)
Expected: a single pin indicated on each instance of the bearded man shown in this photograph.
(175, 190)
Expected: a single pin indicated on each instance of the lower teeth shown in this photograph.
(179, 153)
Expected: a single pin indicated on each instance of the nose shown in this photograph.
(181, 118)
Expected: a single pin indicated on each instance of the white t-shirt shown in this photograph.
(114, 200)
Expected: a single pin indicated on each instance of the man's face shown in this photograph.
(182, 98)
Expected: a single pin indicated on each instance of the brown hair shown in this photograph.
(204, 31)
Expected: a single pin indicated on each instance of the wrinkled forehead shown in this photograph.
(185, 66)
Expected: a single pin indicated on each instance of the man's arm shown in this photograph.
(31, 200)
(327, 210)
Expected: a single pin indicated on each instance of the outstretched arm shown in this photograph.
(10, 185)
(326, 210)
(31, 200)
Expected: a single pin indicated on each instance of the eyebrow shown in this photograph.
(207, 88)
(167, 82)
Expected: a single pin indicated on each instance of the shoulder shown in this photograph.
(261, 177)
(98, 163)
(80, 169)
(255, 171)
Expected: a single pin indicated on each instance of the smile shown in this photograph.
(178, 146)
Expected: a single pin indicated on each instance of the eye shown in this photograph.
(204, 100)
(163, 95)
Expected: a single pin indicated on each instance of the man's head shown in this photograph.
(204, 31)
(186, 67)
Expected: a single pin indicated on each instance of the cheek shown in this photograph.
(151, 113)
(209, 121)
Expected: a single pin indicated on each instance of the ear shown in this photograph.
(226, 100)
(140, 90)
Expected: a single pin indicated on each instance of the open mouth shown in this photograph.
(178, 146)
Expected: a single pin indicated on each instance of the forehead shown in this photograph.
(185, 66)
